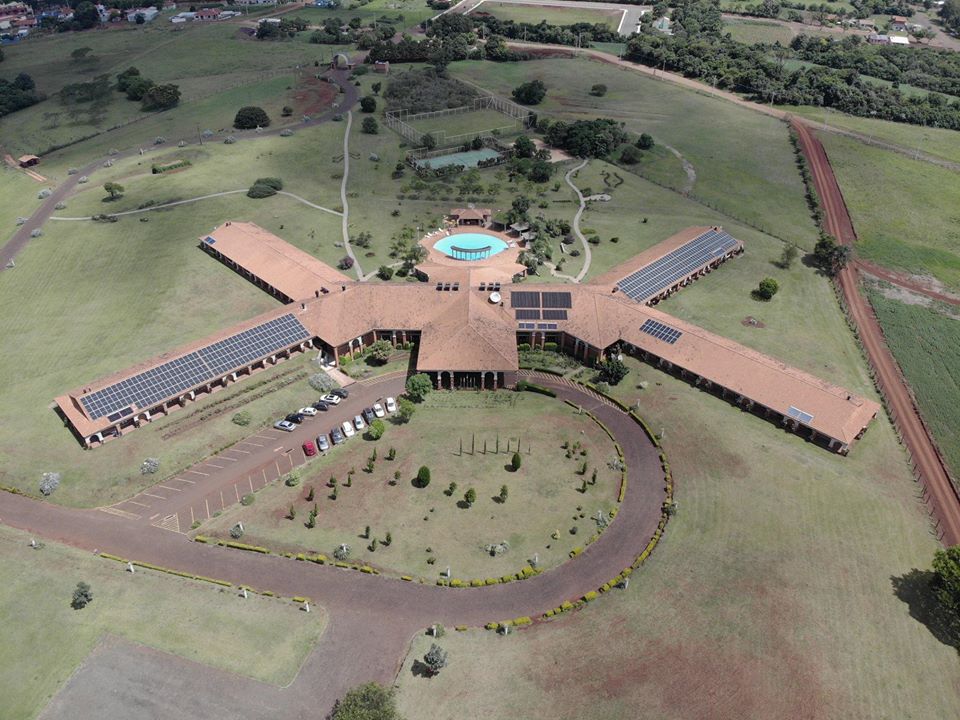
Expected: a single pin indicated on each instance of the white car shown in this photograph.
(391, 405)
(309, 411)
(358, 422)
(332, 399)
(285, 425)
(378, 410)
(348, 430)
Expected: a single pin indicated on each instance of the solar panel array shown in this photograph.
(174, 376)
(676, 265)
(527, 326)
(554, 314)
(660, 331)
(523, 314)
(798, 414)
(556, 300)
(524, 299)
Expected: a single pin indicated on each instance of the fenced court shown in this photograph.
(488, 117)
(469, 159)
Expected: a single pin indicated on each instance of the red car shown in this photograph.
(309, 449)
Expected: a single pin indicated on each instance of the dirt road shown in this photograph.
(941, 495)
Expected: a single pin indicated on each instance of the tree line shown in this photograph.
(17, 94)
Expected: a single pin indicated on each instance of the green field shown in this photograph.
(743, 160)
(551, 15)
(926, 344)
(935, 141)
(19, 193)
(758, 31)
(421, 518)
(43, 640)
(906, 212)
(475, 121)
(402, 13)
(772, 590)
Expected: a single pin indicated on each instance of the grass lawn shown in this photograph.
(161, 291)
(19, 193)
(429, 518)
(744, 163)
(773, 589)
(906, 212)
(402, 13)
(758, 31)
(926, 344)
(360, 369)
(935, 141)
(558, 15)
(472, 122)
(43, 640)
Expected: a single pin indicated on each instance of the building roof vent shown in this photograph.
(494, 297)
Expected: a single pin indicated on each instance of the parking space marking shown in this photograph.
(192, 482)
(222, 503)
(155, 516)
(120, 513)
(218, 467)
(158, 497)
(245, 452)
(197, 472)
(207, 505)
(192, 521)
(165, 487)
(224, 457)
(134, 502)
(250, 480)
(236, 492)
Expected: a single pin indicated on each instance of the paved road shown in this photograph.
(376, 615)
(942, 496)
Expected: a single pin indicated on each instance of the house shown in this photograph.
(207, 14)
(328, 4)
(26, 161)
(256, 2)
(898, 22)
(899, 40)
(148, 13)
(876, 39)
(381, 66)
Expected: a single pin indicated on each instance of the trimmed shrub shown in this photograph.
(247, 499)
(242, 418)
(49, 482)
(423, 477)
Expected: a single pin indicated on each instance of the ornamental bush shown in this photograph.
(49, 482)
(423, 477)
(250, 117)
(515, 462)
(82, 596)
(242, 418)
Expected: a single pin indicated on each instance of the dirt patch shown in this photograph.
(313, 96)
(751, 321)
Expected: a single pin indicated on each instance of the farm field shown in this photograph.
(171, 293)
(43, 640)
(918, 232)
(553, 15)
(728, 618)
(935, 141)
(758, 31)
(744, 163)
(422, 518)
(926, 344)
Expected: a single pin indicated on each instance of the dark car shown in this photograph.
(337, 436)
(340, 392)
(296, 418)
(320, 405)
(368, 415)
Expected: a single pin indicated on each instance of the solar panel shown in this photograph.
(673, 267)
(187, 371)
(527, 314)
(556, 300)
(526, 326)
(546, 326)
(798, 414)
(554, 314)
(660, 331)
(524, 299)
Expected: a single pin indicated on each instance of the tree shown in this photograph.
(368, 104)
(503, 489)
(367, 702)
(405, 410)
(370, 126)
(428, 141)
(139, 19)
(829, 256)
(24, 82)
(85, 16)
(767, 289)
(613, 370)
(115, 189)
(523, 147)
(645, 142)
(515, 463)
(418, 386)
(946, 584)
(470, 497)
(435, 659)
(530, 93)
(376, 429)
(385, 272)
(137, 87)
(787, 257)
(380, 351)
(376, 88)
(251, 116)
(161, 97)
(423, 477)
(598, 90)
(82, 596)
(631, 155)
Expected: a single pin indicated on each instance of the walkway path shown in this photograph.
(372, 617)
(345, 221)
(928, 464)
(576, 222)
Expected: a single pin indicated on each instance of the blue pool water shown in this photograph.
(471, 242)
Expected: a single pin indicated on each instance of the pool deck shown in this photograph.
(502, 266)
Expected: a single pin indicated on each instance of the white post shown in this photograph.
(33, 543)
(626, 583)
(243, 592)
(536, 559)
(433, 630)
(306, 606)
(130, 567)
(240, 525)
(448, 572)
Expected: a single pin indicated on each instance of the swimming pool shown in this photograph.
(470, 246)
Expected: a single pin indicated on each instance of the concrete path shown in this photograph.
(576, 222)
(371, 617)
(345, 222)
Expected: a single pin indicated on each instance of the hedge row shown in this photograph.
(168, 571)
(533, 387)
(160, 169)
(516, 622)
(525, 572)
(231, 544)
